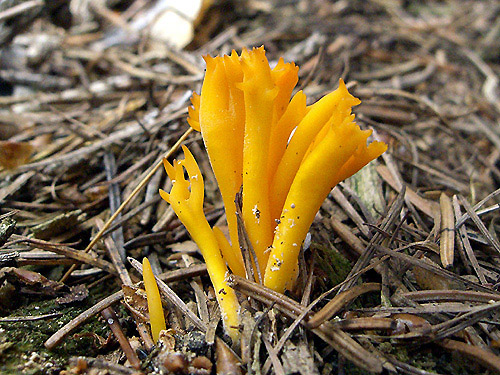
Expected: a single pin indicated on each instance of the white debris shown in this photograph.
(307, 241)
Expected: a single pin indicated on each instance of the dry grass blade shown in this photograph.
(367, 255)
(422, 204)
(350, 349)
(480, 225)
(57, 337)
(432, 268)
(359, 324)
(339, 302)
(349, 209)
(13, 319)
(485, 358)
(77, 255)
(273, 356)
(463, 241)
(201, 298)
(115, 257)
(447, 242)
(452, 295)
(477, 206)
(247, 251)
(347, 236)
(452, 326)
(110, 317)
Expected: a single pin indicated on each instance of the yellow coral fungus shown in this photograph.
(186, 198)
(316, 176)
(221, 122)
(247, 115)
(260, 93)
(332, 108)
(156, 316)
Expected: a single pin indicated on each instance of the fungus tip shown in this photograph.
(165, 196)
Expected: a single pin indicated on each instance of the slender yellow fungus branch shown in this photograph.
(232, 257)
(186, 198)
(285, 77)
(316, 176)
(221, 120)
(363, 155)
(280, 133)
(259, 93)
(194, 112)
(333, 108)
(156, 317)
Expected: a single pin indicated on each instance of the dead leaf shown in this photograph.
(32, 282)
(136, 301)
(430, 280)
(226, 360)
(76, 293)
(14, 154)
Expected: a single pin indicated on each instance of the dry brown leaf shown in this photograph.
(14, 154)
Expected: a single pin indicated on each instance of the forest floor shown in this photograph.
(90, 104)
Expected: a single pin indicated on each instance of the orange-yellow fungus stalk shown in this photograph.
(333, 108)
(286, 113)
(155, 308)
(259, 93)
(221, 118)
(229, 254)
(285, 77)
(363, 155)
(280, 133)
(186, 198)
(315, 178)
(194, 112)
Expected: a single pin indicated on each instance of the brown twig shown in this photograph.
(112, 320)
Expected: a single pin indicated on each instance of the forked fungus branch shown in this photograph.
(286, 156)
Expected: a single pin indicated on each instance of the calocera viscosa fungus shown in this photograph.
(186, 198)
(155, 308)
(247, 115)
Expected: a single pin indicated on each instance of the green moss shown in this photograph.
(333, 264)
(21, 339)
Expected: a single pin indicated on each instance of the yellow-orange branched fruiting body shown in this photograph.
(285, 156)
(221, 121)
(186, 198)
(316, 176)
